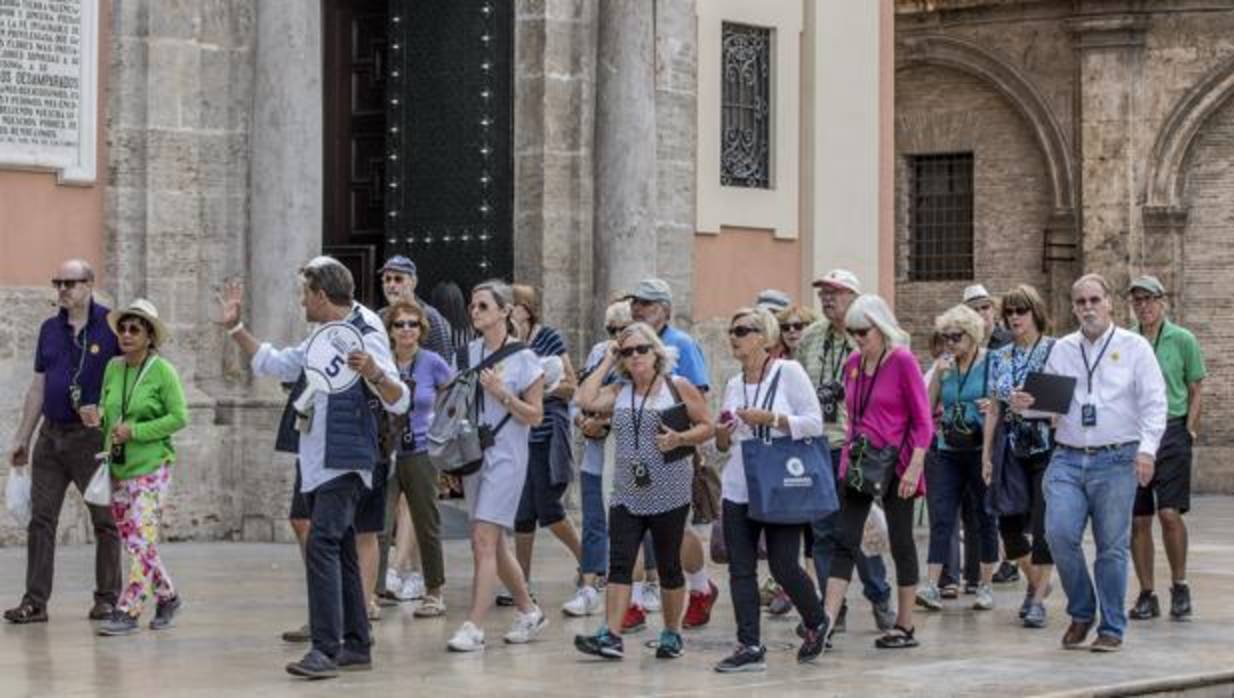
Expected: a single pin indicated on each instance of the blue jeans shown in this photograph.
(1101, 486)
(335, 594)
(871, 569)
(595, 524)
(953, 477)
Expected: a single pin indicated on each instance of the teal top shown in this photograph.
(958, 394)
(155, 409)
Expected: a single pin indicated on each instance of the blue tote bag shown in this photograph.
(790, 481)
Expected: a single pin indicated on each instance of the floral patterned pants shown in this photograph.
(137, 505)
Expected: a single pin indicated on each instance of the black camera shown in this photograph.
(117, 454)
(1027, 439)
(830, 395)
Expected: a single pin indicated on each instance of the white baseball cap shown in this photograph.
(839, 278)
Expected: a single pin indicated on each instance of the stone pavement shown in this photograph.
(239, 597)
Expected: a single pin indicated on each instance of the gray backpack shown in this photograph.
(457, 438)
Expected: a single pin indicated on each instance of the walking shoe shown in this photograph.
(430, 606)
(602, 644)
(1006, 573)
(971, 588)
(504, 599)
(1180, 602)
(468, 638)
(698, 613)
(353, 660)
(841, 623)
(165, 613)
(949, 591)
(1026, 603)
(1076, 633)
(1107, 643)
(101, 610)
(634, 620)
(526, 626)
(1146, 606)
(813, 644)
(586, 602)
(744, 659)
(670, 645)
(985, 598)
(929, 597)
(29, 613)
(1034, 617)
(884, 614)
(768, 591)
(412, 587)
(120, 623)
(394, 581)
(314, 665)
(374, 611)
(651, 597)
(780, 605)
(300, 634)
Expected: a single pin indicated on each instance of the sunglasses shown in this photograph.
(953, 337)
(740, 331)
(1091, 300)
(1016, 311)
(479, 305)
(627, 352)
(133, 328)
(859, 331)
(792, 327)
(405, 324)
(613, 330)
(393, 279)
(68, 284)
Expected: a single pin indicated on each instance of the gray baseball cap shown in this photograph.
(1149, 284)
(773, 299)
(652, 291)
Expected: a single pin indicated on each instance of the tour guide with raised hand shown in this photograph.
(73, 350)
(1105, 445)
(338, 452)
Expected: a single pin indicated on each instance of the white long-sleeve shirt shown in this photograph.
(795, 398)
(287, 364)
(1128, 391)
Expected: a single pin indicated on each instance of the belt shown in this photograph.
(66, 428)
(1176, 421)
(1094, 450)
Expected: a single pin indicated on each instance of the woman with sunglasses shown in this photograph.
(958, 391)
(1021, 443)
(143, 405)
(511, 395)
(594, 427)
(649, 493)
(424, 372)
(792, 410)
(792, 321)
(888, 408)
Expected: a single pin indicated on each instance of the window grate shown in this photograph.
(745, 97)
(941, 217)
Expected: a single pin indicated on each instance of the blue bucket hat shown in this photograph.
(400, 264)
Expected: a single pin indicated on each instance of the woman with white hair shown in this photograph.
(958, 384)
(651, 488)
(889, 424)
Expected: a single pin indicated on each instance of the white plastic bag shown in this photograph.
(17, 495)
(875, 540)
(98, 492)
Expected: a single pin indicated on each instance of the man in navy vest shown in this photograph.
(338, 451)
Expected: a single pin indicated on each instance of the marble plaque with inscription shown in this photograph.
(48, 86)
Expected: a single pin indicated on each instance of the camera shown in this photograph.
(830, 394)
(117, 454)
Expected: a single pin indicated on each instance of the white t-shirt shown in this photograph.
(794, 398)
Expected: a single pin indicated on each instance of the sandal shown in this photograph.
(897, 639)
(26, 613)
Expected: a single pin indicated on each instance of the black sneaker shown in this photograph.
(120, 623)
(802, 632)
(970, 588)
(1146, 606)
(165, 613)
(314, 665)
(1006, 573)
(602, 644)
(670, 645)
(1180, 602)
(813, 643)
(353, 660)
(744, 659)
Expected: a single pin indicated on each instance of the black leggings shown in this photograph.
(854, 509)
(625, 534)
(1014, 528)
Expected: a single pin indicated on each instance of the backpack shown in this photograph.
(456, 438)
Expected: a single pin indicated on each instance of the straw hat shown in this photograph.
(145, 310)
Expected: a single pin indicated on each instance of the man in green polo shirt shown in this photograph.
(1168, 495)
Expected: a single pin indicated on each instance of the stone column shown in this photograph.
(625, 148)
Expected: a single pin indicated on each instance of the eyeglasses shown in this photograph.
(1091, 300)
(405, 324)
(133, 328)
(859, 331)
(1008, 311)
(393, 278)
(68, 284)
(792, 327)
(613, 330)
(479, 305)
(627, 352)
(740, 331)
(1138, 299)
(953, 337)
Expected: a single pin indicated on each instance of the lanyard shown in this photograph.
(1019, 374)
(832, 362)
(1157, 341)
(480, 399)
(125, 395)
(863, 401)
(81, 348)
(1093, 368)
(410, 373)
(745, 398)
(959, 393)
(636, 414)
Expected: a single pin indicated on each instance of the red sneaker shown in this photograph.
(698, 613)
(634, 620)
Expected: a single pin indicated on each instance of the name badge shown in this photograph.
(1088, 415)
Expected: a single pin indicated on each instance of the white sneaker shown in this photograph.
(413, 587)
(586, 602)
(651, 597)
(526, 626)
(394, 582)
(468, 638)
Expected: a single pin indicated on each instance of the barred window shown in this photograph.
(745, 97)
(941, 217)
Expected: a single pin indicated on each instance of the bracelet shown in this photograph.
(239, 326)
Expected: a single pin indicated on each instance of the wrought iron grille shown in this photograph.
(745, 147)
(941, 217)
(450, 191)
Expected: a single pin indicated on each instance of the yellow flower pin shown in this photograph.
(94, 348)
(1114, 356)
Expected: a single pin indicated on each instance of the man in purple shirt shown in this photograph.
(73, 349)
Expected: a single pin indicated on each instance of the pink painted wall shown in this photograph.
(732, 267)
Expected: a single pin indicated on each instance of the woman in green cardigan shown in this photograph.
(143, 405)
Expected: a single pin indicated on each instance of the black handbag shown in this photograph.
(870, 469)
